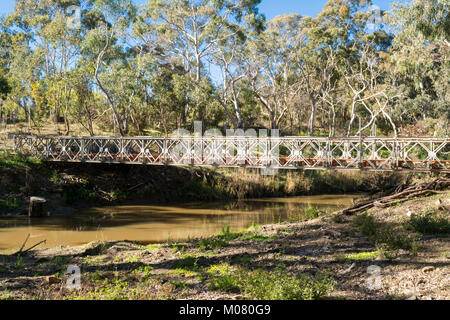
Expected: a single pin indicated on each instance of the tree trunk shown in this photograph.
(38, 207)
(312, 117)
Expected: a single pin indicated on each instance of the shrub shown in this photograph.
(312, 212)
(365, 224)
(389, 241)
(429, 222)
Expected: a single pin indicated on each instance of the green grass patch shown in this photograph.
(144, 270)
(95, 261)
(153, 247)
(96, 277)
(115, 289)
(6, 295)
(269, 285)
(17, 160)
(255, 236)
(226, 235)
(186, 262)
(358, 256)
(132, 259)
(219, 241)
(179, 284)
(186, 273)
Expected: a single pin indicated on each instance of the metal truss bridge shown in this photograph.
(363, 153)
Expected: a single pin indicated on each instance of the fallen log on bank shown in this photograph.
(402, 193)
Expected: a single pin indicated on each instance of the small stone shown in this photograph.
(238, 298)
(421, 281)
(52, 280)
(412, 298)
(428, 269)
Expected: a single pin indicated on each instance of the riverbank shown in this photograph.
(398, 252)
(71, 186)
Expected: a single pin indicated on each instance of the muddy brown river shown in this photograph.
(159, 223)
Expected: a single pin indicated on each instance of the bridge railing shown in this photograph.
(368, 153)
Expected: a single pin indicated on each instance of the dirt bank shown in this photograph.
(69, 186)
(399, 252)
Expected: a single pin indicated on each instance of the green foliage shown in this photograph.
(270, 285)
(115, 289)
(17, 160)
(430, 222)
(6, 295)
(365, 224)
(19, 264)
(164, 81)
(9, 204)
(186, 262)
(218, 241)
(144, 270)
(255, 236)
(76, 193)
(212, 243)
(117, 195)
(312, 212)
(179, 284)
(358, 256)
(389, 240)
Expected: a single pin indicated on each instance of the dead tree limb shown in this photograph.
(402, 194)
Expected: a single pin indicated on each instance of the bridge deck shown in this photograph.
(367, 153)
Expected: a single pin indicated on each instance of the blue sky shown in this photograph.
(270, 8)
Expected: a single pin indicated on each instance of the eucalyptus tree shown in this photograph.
(229, 59)
(54, 47)
(188, 30)
(5, 58)
(15, 46)
(350, 35)
(270, 69)
(421, 59)
(109, 26)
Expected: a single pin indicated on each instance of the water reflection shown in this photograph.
(150, 223)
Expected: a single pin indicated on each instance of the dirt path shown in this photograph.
(373, 255)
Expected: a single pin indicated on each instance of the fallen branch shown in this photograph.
(23, 245)
(43, 241)
(136, 186)
(402, 194)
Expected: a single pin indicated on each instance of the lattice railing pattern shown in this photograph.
(369, 153)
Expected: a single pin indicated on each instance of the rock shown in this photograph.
(428, 269)
(412, 298)
(348, 269)
(52, 280)
(38, 207)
